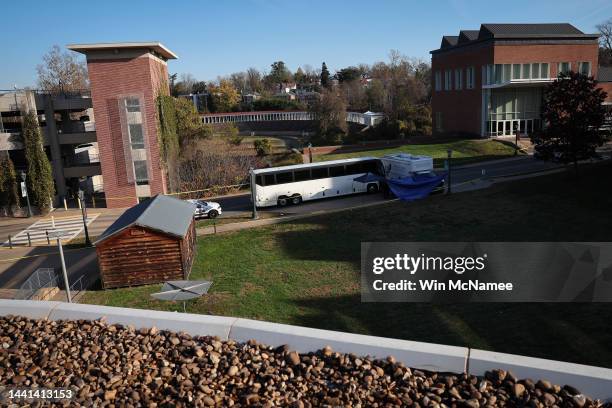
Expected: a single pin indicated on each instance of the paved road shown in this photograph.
(241, 203)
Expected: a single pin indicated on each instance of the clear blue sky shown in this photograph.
(219, 37)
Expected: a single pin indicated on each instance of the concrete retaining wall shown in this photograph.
(593, 381)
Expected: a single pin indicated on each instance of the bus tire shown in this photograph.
(372, 188)
(282, 201)
(295, 200)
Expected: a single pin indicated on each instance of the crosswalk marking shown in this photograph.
(72, 226)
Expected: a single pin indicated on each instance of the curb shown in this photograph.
(594, 381)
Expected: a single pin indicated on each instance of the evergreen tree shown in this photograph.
(9, 196)
(39, 176)
(325, 76)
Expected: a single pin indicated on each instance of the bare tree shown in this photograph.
(605, 29)
(605, 42)
(254, 79)
(215, 164)
(240, 81)
(62, 72)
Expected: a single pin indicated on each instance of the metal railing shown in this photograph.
(79, 285)
(41, 278)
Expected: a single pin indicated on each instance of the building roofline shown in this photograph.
(156, 46)
(505, 37)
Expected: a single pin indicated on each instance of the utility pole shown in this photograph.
(253, 193)
(448, 178)
(57, 234)
(84, 215)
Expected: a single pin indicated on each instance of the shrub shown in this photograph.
(263, 147)
(9, 196)
(235, 140)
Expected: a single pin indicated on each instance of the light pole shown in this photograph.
(24, 190)
(450, 153)
(58, 234)
(253, 192)
(84, 215)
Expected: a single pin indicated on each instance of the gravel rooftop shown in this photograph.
(113, 365)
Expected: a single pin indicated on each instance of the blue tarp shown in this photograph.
(408, 188)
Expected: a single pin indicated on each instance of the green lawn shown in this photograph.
(306, 272)
(234, 218)
(464, 151)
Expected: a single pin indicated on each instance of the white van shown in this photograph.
(400, 165)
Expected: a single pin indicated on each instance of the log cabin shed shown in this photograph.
(152, 242)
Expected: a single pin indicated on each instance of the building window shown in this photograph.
(516, 71)
(132, 104)
(458, 79)
(526, 71)
(489, 74)
(584, 68)
(535, 70)
(469, 78)
(507, 72)
(136, 136)
(438, 81)
(544, 72)
(498, 73)
(563, 68)
(448, 79)
(140, 172)
(439, 121)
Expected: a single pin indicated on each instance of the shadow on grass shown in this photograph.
(551, 208)
(569, 332)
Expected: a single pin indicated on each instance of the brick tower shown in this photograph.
(125, 79)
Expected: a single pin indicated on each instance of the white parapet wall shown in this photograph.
(593, 381)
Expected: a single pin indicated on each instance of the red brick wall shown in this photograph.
(461, 110)
(111, 79)
(551, 53)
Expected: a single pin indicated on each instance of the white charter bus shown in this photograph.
(304, 182)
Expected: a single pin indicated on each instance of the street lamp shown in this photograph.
(84, 215)
(253, 192)
(24, 191)
(450, 153)
(58, 234)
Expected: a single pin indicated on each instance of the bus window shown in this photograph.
(354, 169)
(301, 175)
(319, 172)
(269, 179)
(370, 167)
(259, 180)
(286, 177)
(336, 171)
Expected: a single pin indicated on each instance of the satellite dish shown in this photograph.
(182, 290)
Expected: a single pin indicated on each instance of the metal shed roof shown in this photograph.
(161, 213)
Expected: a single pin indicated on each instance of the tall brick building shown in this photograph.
(125, 79)
(489, 82)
